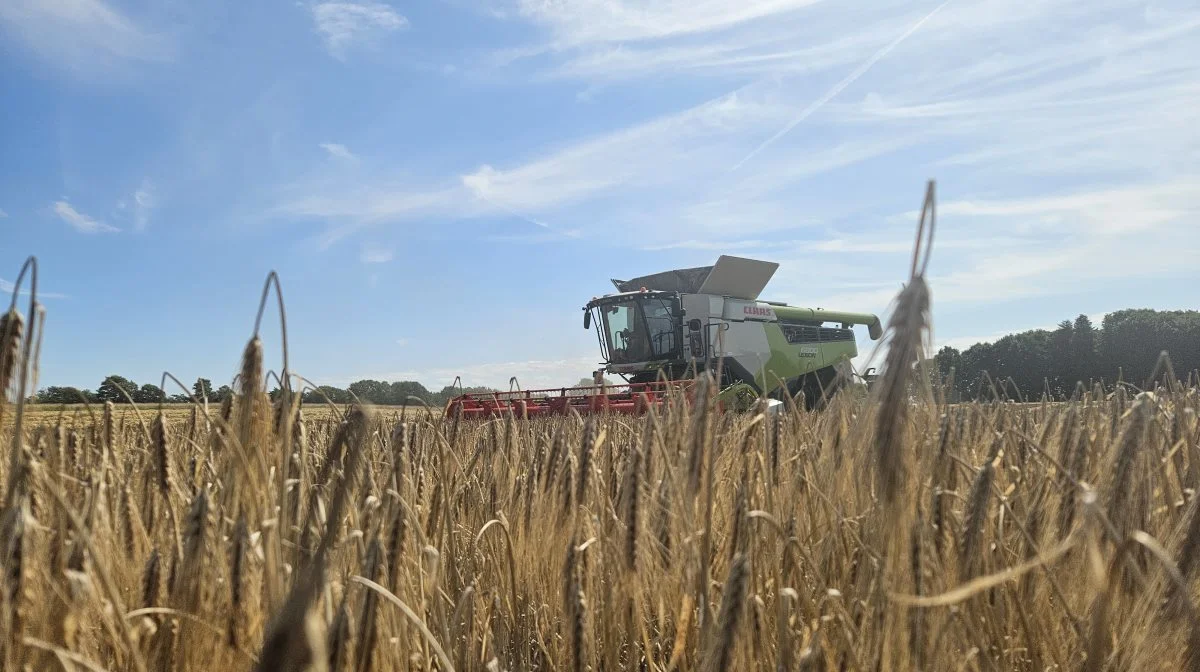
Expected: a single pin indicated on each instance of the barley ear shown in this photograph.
(729, 618)
(12, 330)
(906, 332)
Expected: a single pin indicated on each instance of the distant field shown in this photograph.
(71, 414)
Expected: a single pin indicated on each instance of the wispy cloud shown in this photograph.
(3, 214)
(402, 342)
(343, 24)
(714, 245)
(7, 287)
(840, 86)
(338, 151)
(82, 35)
(1061, 131)
(581, 23)
(143, 204)
(374, 254)
(79, 221)
(1019, 248)
(536, 237)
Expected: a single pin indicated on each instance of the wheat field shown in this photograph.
(894, 532)
(1061, 536)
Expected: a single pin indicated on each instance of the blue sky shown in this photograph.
(441, 185)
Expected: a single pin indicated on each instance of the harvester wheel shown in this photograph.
(818, 388)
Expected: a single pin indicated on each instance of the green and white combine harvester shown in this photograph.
(659, 331)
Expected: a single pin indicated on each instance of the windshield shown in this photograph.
(639, 329)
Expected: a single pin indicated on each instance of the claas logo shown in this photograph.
(756, 310)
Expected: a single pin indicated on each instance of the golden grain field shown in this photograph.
(1032, 538)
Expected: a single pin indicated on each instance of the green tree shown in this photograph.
(450, 391)
(203, 389)
(1128, 344)
(326, 393)
(1062, 374)
(949, 360)
(1083, 351)
(1131, 342)
(149, 394)
(370, 391)
(223, 393)
(400, 391)
(110, 389)
(62, 395)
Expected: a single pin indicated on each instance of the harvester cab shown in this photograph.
(674, 324)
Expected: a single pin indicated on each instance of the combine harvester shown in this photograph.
(658, 331)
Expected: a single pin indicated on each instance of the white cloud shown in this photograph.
(342, 24)
(666, 176)
(1120, 210)
(715, 245)
(402, 342)
(858, 72)
(537, 237)
(1054, 126)
(372, 254)
(620, 39)
(877, 246)
(663, 156)
(82, 35)
(338, 151)
(79, 221)
(3, 214)
(609, 21)
(356, 204)
(1019, 248)
(143, 204)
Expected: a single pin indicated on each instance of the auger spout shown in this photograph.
(874, 327)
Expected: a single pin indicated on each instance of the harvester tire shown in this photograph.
(818, 388)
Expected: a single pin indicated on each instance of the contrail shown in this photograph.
(514, 213)
(858, 72)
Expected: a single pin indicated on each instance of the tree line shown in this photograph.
(122, 390)
(383, 393)
(1127, 346)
